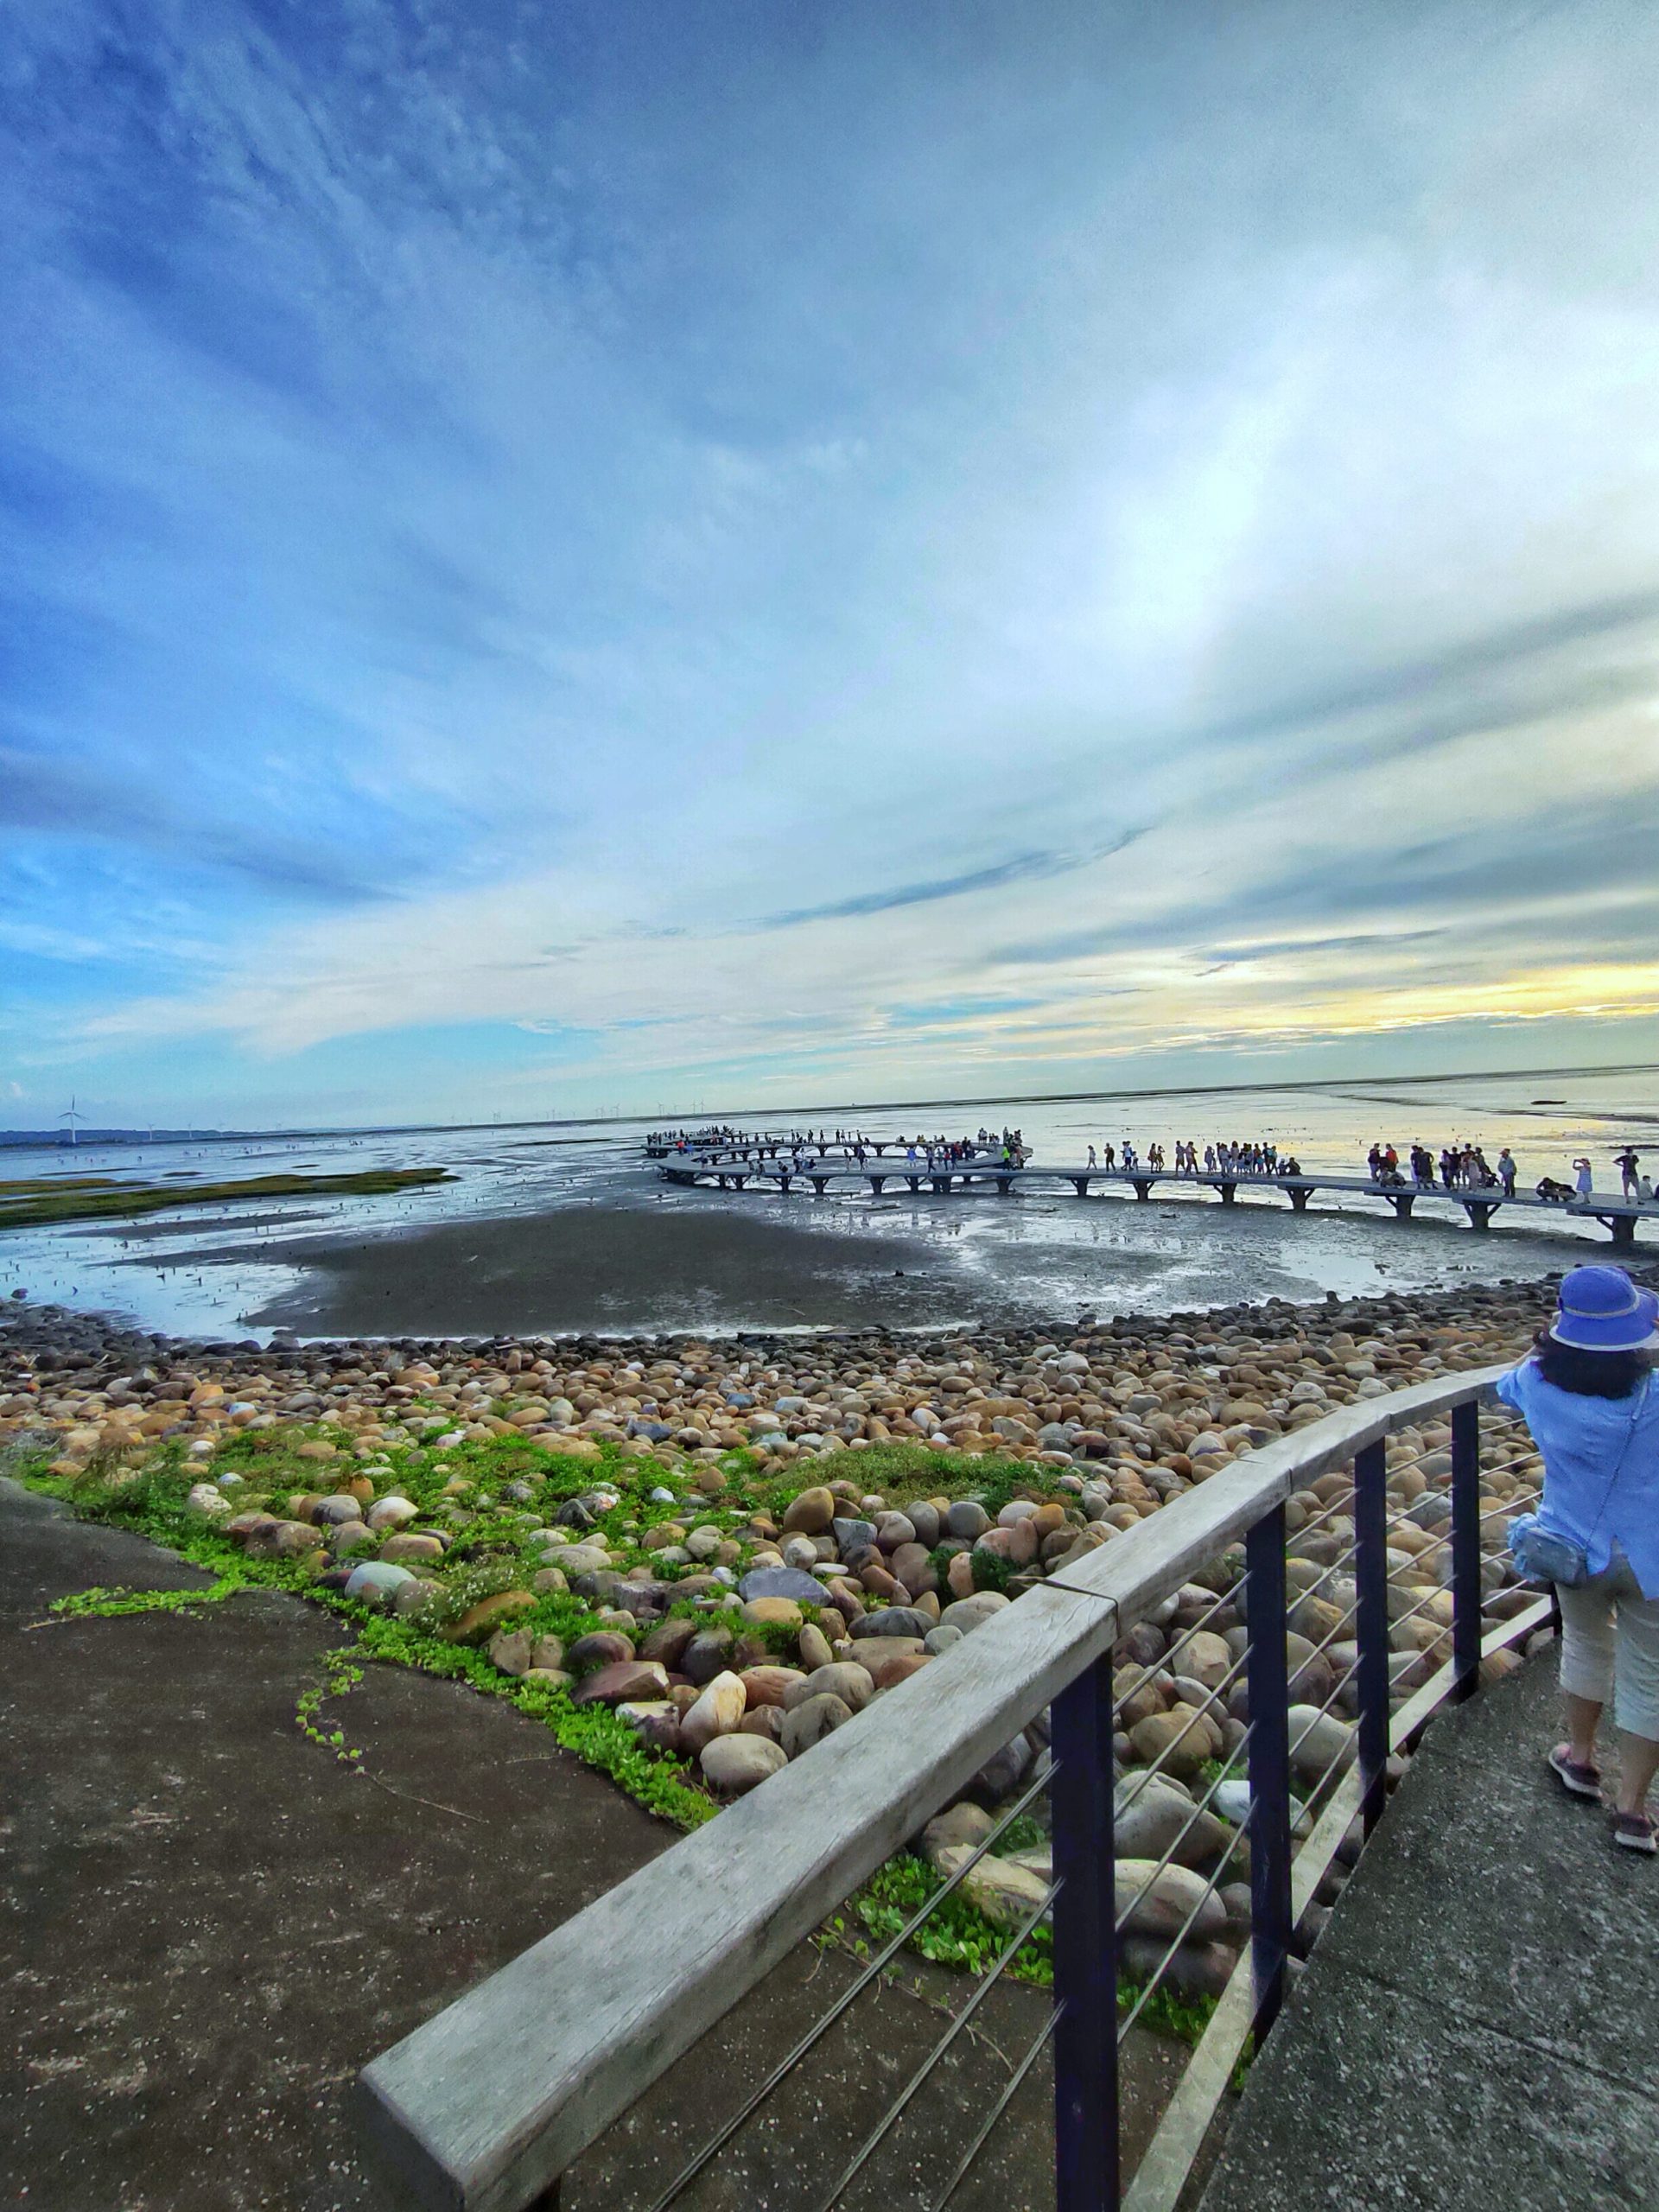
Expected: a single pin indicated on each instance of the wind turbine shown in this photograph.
(72, 1115)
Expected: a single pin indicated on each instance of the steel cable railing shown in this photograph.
(1169, 1923)
(873, 1968)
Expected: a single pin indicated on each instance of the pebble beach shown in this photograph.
(730, 1547)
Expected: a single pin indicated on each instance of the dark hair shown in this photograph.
(1588, 1374)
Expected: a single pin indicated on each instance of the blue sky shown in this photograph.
(555, 557)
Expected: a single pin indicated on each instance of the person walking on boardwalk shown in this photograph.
(1588, 1395)
(1507, 1171)
(1583, 1178)
(1628, 1163)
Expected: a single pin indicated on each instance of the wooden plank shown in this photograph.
(482, 2108)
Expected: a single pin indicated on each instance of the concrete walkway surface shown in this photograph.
(208, 1923)
(209, 1926)
(1479, 2024)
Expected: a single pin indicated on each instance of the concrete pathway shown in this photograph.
(1480, 2023)
(206, 1922)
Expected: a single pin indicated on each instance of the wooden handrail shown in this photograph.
(482, 2108)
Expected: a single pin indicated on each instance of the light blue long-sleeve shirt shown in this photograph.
(1601, 1467)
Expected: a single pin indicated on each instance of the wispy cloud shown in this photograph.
(690, 547)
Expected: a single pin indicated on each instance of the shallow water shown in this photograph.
(354, 1264)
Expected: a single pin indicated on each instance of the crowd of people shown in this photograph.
(1466, 1167)
(1008, 1150)
(1460, 1167)
(1251, 1158)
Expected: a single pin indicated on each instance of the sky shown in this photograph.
(617, 555)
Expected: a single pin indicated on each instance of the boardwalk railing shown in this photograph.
(1295, 1619)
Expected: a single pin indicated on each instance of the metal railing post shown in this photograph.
(1466, 1547)
(1266, 1677)
(1085, 1946)
(1371, 1624)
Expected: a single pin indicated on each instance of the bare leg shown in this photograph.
(1638, 1761)
(1583, 1719)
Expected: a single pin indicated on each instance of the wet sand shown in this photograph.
(606, 1268)
(680, 1265)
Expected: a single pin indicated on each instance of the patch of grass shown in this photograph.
(902, 1473)
(152, 1504)
(41, 1200)
(340, 1675)
(958, 1934)
(106, 1604)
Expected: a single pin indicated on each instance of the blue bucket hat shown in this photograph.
(1600, 1309)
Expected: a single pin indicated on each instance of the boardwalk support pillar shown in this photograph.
(1480, 1211)
(819, 1182)
(1005, 1186)
(1298, 1198)
(1143, 1186)
(877, 1184)
(1623, 1226)
(1403, 1202)
(1080, 1185)
(914, 1181)
(1229, 1192)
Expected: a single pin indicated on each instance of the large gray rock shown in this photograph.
(374, 1583)
(893, 1620)
(967, 1519)
(1158, 1901)
(958, 1824)
(782, 1582)
(925, 1520)
(1152, 1817)
(969, 1613)
(576, 1558)
(852, 1536)
(842, 1678)
(1005, 1770)
(810, 1722)
(1006, 1893)
(732, 1764)
(1319, 1744)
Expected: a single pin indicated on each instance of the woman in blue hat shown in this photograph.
(1589, 1398)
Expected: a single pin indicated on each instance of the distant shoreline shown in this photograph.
(52, 1139)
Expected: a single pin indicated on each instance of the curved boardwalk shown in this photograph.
(1477, 2026)
(733, 1171)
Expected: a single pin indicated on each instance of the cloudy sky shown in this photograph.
(611, 553)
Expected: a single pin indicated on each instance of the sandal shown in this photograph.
(1635, 1832)
(1578, 1781)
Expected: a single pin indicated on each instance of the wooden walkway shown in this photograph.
(728, 1173)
